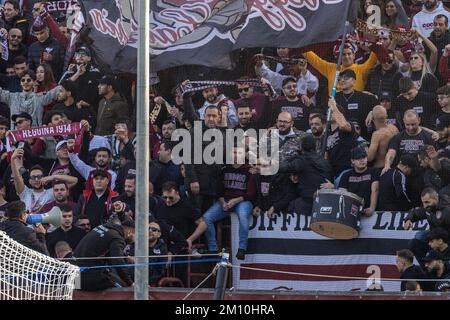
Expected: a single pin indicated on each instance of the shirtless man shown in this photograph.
(381, 137)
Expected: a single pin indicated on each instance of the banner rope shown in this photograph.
(330, 276)
(201, 283)
(154, 256)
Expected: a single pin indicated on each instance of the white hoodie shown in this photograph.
(423, 20)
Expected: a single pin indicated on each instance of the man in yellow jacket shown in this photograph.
(328, 69)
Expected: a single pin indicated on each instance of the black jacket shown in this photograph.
(418, 214)
(18, 231)
(312, 170)
(413, 272)
(277, 191)
(379, 82)
(106, 240)
(72, 237)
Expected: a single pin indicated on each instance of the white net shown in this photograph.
(29, 275)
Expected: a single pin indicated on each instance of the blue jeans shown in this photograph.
(216, 213)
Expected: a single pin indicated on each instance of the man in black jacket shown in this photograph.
(16, 228)
(107, 240)
(405, 265)
(312, 170)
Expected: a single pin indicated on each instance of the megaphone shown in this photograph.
(53, 217)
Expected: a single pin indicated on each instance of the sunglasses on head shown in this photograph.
(243, 89)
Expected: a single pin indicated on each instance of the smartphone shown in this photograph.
(21, 145)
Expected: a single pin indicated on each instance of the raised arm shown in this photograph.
(343, 124)
(79, 165)
(16, 160)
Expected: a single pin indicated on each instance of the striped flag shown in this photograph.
(285, 246)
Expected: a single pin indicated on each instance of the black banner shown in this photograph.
(205, 32)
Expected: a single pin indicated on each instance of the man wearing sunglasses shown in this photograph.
(27, 100)
(35, 197)
(382, 77)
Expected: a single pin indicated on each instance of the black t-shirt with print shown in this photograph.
(339, 145)
(360, 183)
(403, 143)
(299, 112)
(424, 103)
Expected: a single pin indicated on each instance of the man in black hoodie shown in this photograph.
(405, 265)
(312, 170)
(16, 228)
(107, 240)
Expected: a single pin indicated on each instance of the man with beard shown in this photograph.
(307, 84)
(440, 36)
(408, 141)
(128, 196)
(107, 240)
(435, 169)
(318, 125)
(362, 181)
(292, 104)
(111, 108)
(15, 48)
(101, 161)
(36, 196)
(66, 232)
(86, 76)
(61, 193)
(356, 104)
(423, 21)
(380, 138)
(340, 141)
(254, 100)
(12, 82)
(225, 105)
(437, 268)
(74, 109)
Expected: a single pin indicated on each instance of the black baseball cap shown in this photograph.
(21, 115)
(442, 122)
(385, 95)
(408, 160)
(432, 255)
(84, 50)
(108, 80)
(358, 153)
(99, 172)
(348, 73)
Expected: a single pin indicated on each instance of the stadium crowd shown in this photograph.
(387, 141)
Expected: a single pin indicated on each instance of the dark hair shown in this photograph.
(430, 191)
(169, 186)
(440, 16)
(65, 207)
(130, 177)
(29, 73)
(83, 216)
(48, 75)
(211, 106)
(168, 122)
(126, 121)
(444, 90)
(56, 182)
(411, 285)
(406, 254)
(19, 60)
(37, 167)
(438, 233)
(321, 117)
(169, 144)
(287, 80)
(14, 3)
(128, 223)
(405, 84)
(4, 121)
(242, 105)
(15, 209)
(49, 115)
(71, 86)
(103, 149)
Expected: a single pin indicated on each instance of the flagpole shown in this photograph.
(143, 152)
(338, 68)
